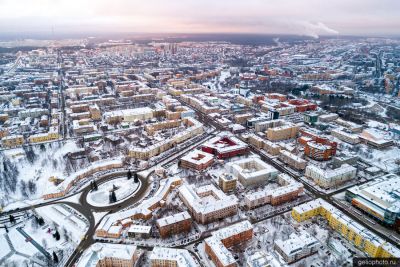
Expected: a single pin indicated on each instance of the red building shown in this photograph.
(303, 105)
(225, 147)
(316, 147)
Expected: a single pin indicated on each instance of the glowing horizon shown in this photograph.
(302, 17)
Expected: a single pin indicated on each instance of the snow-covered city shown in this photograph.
(200, 150)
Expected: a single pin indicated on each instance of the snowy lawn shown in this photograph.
(125, 188)
(27, 171)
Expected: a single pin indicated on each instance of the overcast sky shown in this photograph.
(303, 17)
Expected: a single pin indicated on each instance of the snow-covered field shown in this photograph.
(62, 217)
(28, 171)
(27, 241)
(125, 188)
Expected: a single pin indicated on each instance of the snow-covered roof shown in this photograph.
(202, 206)
(217, 246)
(296, 243)
(249, 168)
(330, 173)
(140, 229)
(176, 218)
(100, 251)
(383, 192)
(197, 157)
(181, 257)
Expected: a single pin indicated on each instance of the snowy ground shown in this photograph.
(62, 216)
(42, 162)
(16, 248)
(125, 188)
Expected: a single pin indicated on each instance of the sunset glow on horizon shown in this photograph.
(306, 17)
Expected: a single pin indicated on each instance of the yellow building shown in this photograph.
(360, 236)
(12, 141)
(52, 134)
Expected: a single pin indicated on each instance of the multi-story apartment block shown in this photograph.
(345, 136)
(109, 255)
(12, 141)
(361, 237)
(174, 224)
(286, 131)
(292, 160)
(252, 171)
(197, 160)
(330, 178)
(227, 182)
(289, 190)
(298, 246)
(171, 257)
(205, 210)
(217, 245)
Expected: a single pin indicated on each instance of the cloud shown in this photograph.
(311, 29)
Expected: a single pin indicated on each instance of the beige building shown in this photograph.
(12, 141)
(207, 203)
(283, 132)
(227, 182)
(95, 112)
(109, 255)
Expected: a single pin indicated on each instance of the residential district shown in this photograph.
(163, 153)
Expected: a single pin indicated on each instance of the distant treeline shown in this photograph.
(18, 48)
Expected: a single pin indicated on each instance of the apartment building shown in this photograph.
(207, 203)
(217, 245)
(128, 115)
(174, 224)
(292, 160)
(286, 131)
(289, 189)
(298, 246)
(12, 141)
(171, 257)
(197, 160)
(227, 182)
(251, 171)
(52, 134)
(330, 178)
(345, 136)
(194, 128)
(109, 255)
(357, 234)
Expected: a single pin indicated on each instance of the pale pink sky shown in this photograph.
(305, 17)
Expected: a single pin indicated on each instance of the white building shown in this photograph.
(330, 178)
(296, 247)
(129, 115)
(345, 136)
(252, 171)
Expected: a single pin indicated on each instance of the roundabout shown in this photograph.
(120, 187)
